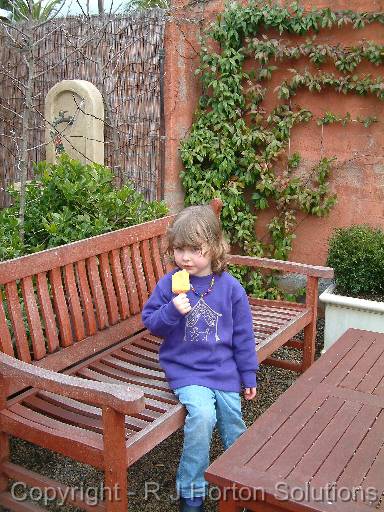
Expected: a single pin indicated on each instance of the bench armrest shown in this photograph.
(285, 266)
(121, 398)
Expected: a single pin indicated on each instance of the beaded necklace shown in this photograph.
(206, 291)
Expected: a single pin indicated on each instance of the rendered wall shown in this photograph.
(358, 176)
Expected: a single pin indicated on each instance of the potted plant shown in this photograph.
(356, 298)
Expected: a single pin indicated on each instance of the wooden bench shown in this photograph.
(80, 374)
(319, 447)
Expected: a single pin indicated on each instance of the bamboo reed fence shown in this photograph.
(119, 54)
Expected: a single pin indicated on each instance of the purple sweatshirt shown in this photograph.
(213, 345)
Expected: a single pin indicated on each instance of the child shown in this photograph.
(208, 353)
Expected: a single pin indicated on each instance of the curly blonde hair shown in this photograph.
(198, 226)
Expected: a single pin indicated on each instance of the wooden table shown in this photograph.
(320, 446)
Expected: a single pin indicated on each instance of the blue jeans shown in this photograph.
(205, 407)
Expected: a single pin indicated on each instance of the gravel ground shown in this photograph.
(157, 469)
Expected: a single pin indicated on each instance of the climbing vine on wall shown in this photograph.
(241, 153)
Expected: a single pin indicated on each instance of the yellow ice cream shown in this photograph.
(180, 282)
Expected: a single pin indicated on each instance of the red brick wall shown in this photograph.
(358, 176)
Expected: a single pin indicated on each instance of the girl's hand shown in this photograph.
(249, 393)
(181, 303)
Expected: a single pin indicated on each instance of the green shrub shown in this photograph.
(69, 201)
(357, 255)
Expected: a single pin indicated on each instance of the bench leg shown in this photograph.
(4, 457)
(4, 438)
(310, 330)
(115, 461)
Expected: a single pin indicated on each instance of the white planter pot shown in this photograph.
(342, 312)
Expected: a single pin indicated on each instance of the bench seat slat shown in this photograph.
(285, 333)
(147, 345)
(118, 281)
(151, 404)
(50, 410)
(129, 377)
(47, 312)
(135, 369)
(131, 357)
(150, 412)
(137, 360)
(262, 329)
(265, 326)
(268, 322)
(43, 420)
(87, 445)
(74, 302)
(88, 410)
(104, 373)
(145, 354)
(260, 336)
(16, 316)
(74, 417)
(153, 339)
(282, 314)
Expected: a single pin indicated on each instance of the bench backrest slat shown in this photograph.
(130, 281)
(147, 265)
(16, 317)
(60, 307)
(97, 292)
(36, 331)
(118, 281)
(6, 345)
(73, 299)
(47, 313)
(54, 300)
(157, 260)
(109, 290)
(139, 274)
(86, 299)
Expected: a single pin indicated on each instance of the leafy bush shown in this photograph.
(357, 255)
(69, 201)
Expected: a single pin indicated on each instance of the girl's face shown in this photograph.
(196, 261)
